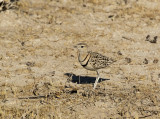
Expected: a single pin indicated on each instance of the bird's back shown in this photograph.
(94, 61)
(99, 61)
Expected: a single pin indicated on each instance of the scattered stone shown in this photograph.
(154, 40)
(125, 1)
(128, 60)
(31, 64)
(22, 43)
(145, 61)
(84, 5)
(119, 53)
(72, 55)
(148, 38)
(52, 73)
(1, 57)
(110, 16)
(155, 61)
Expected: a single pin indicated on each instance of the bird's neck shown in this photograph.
(82, 55)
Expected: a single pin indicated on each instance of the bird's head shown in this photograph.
(82, 47)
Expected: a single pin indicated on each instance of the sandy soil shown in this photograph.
(40, 76)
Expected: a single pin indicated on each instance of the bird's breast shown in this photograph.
(85, 61)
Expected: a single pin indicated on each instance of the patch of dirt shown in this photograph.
(40, 76)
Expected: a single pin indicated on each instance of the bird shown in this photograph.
(92, 60)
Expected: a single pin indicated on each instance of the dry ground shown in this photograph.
(40, 76)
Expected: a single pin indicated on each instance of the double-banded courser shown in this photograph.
(92, 60)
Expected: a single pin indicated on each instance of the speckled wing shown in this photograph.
(99, 61)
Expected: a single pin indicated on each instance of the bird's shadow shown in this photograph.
(82, 79)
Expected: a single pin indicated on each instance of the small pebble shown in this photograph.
(30, 64)
(128, 60)
(148, 38)
(110, 16)
(154, 40)
(155, 61)
(84, 5)
(145, 61)
(119, 53)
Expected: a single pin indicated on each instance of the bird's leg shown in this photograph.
(97, 78)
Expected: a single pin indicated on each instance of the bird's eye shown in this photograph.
(82, 46)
